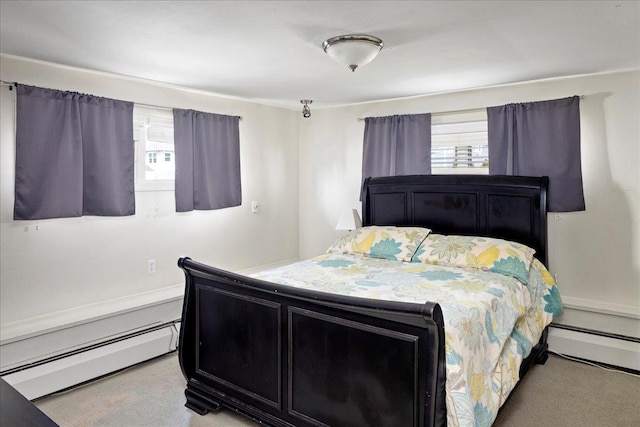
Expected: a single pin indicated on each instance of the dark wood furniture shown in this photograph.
(17, 411)
(293, 357)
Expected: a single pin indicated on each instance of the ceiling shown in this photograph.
(270, 51)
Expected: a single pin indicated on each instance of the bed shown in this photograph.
(289, 349)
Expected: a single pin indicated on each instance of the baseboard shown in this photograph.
(64, 372)
(600, 332)
(48, 353)
(608, 349)
(44, 337)
(583, 304)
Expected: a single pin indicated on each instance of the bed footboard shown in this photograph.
(292, 357)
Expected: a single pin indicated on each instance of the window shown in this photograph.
(153, 136)
(459, 143)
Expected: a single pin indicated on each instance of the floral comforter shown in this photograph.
(491, 320)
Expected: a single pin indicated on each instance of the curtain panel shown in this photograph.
(74, 155)
(207, 149)
(397, 145)
(540, 139)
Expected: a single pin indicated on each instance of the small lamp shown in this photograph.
(349, 220)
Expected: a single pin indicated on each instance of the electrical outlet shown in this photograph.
(151, 266)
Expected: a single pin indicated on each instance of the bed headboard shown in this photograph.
(507, 207)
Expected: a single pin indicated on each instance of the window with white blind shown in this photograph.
(459, 143)
(155, 159)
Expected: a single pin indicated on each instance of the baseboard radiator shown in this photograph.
(66, 370)
(46, 354)
(50, 353)
(607, 348)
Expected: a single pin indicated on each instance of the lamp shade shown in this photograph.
(349, 220)
(353, 50)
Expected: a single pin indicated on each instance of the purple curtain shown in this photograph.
(540, 139)
(397, 145)
(207, 148)
(74, 155)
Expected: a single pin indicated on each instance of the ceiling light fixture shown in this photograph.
(353, 50)
(306, 111)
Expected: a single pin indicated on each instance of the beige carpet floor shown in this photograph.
(561, 393)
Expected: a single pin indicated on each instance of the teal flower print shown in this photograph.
(387, 248)
(368, 283)
(335, 263)
(440, 275)
(554, 303)
(453, 358)
(488, 327)
(483, 415)
(495, 292)
(524, 345)
(511, 266)
(417, 254)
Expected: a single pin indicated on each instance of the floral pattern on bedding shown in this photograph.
(483, 253)
(491, 320)
(388, 242)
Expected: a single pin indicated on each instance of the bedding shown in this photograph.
(396, 243)
(492, 316)
(484, 253)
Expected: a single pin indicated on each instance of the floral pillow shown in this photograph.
(483, 253)
(396, 243)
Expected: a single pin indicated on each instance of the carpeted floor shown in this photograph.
(560, 393)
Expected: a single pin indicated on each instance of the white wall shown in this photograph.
(594, 254)
(50, 266)
(304, 173)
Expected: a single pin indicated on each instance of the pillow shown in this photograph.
(483, 253)
(396, 243)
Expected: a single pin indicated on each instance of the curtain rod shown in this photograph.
(442, 113)
(161, 107)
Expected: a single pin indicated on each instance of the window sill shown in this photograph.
(155, 186)
(458, 171)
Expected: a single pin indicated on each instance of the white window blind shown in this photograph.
(459, 142)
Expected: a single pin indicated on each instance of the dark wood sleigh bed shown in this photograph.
(285, 356)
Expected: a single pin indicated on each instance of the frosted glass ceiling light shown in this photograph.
(353, 50)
